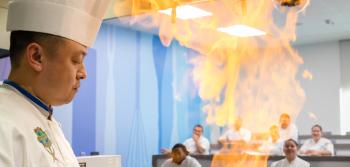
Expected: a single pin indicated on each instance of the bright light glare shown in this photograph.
(242, 31)
(187, 12)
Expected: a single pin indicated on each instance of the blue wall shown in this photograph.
(84, 107)
(138, 97)
(127, 91)
(145, 99)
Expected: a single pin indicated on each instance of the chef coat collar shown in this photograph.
(34, 99)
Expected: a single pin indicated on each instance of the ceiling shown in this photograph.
(323, 20)
(315, 27)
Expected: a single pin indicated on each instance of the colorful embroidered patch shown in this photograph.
(42, 137)
(45, 141)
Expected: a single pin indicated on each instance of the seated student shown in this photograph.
(197, 144)
(235, 134)
(288, 130)
(317, 145)
(274, 145)
(290, 149)
(180, 158)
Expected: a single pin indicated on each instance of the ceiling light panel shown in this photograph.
(241, 30)
(187, 12)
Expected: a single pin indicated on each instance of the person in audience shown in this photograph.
(180, 158)
(235, 139)
(197, 144)
(317, 145)
(274, 145)
(235, 134)
(287, 129)
(290, 149)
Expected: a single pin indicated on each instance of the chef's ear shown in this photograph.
(34, 56)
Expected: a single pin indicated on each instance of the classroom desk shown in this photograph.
(205, 160)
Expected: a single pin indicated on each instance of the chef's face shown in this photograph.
(178, 155)
(274, 132)
(284, 121)
(316, 133)
(62, 71)
(290, 149)
(197, 131)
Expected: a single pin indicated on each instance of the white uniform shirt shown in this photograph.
(233, 135)
(291, 132)
(19, 144)
(272, 148)
(322, 144)
(191, 145)
(187, 162)
(297, 162)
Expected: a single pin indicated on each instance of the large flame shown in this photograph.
(252, 78)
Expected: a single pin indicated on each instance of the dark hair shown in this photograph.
(19, 40)
(199, 126)
(317, 125)
(292, 140)
(180, 146)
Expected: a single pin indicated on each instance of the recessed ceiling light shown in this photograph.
(241, 30)
(187, 12)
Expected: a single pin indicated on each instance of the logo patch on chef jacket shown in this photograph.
(45, 141)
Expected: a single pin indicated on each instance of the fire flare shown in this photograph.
(252, 78)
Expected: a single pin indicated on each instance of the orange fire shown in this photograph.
(307, 75)
(253, 78)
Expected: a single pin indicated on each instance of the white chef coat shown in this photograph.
(187, 162)
(191, 145)
(233, 135)
(272, 148)
(291, 132)
(19, 144)
(297, 162)
(322, 144)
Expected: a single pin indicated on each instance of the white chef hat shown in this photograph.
(78, 20)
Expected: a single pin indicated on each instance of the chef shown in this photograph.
(48, 44)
